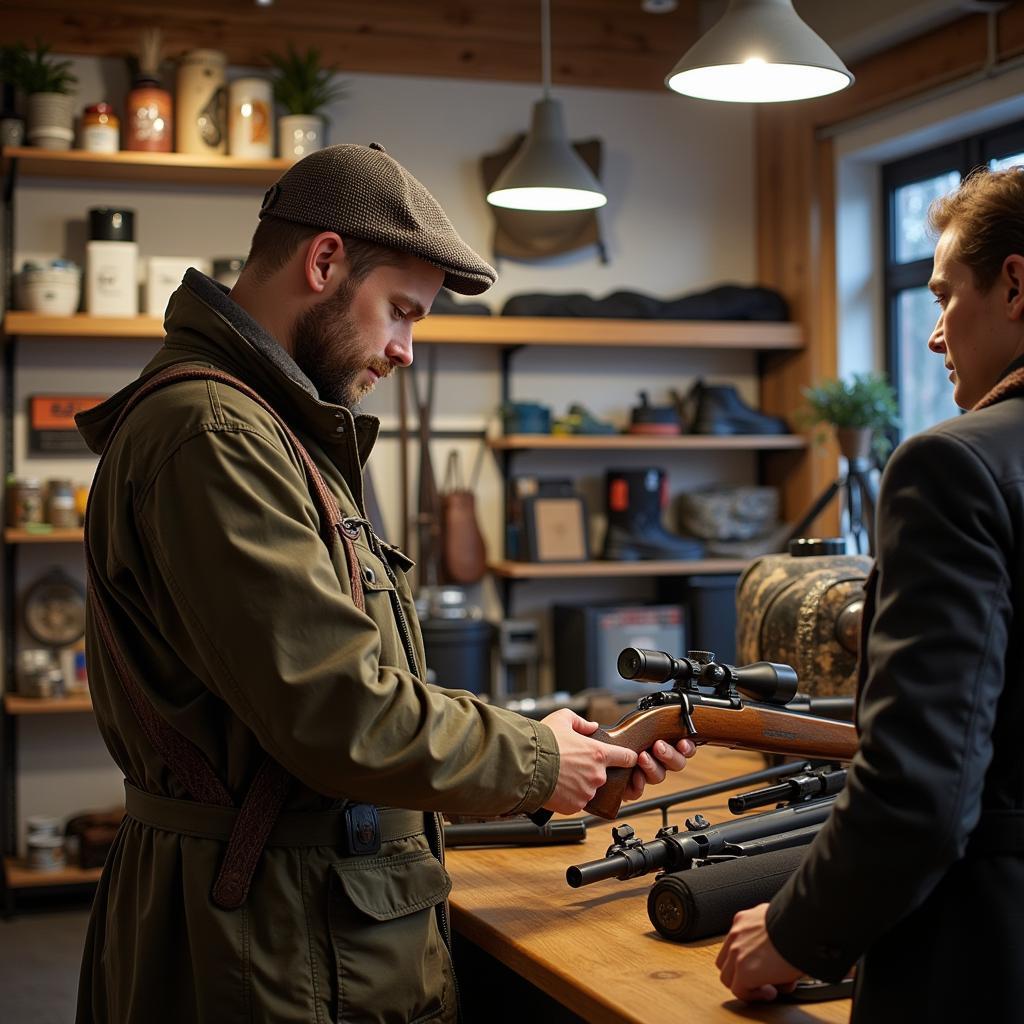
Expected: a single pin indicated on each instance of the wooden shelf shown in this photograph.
(499, 331)
(19, 536)
(20, 876)
(593, 570)
(591, 333)
(648, 442)
(142, 168)
(15, 705)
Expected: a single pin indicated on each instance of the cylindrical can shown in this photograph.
(148, 118)
(250, 117)
(201, 122)
(24, 502)
(100, 129)
(45, 853)
(60, 505)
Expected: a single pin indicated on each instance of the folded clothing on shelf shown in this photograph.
(724, 302)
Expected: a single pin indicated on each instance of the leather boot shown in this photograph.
(635, 500)
(718, 409)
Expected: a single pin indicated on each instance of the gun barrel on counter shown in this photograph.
(677, 851)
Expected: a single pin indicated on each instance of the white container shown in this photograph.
(53, 291)
(112, 278)
(43, 826)
(299, 135)
(251, 119)
(163, 277)
(46, 853)
(200, 105)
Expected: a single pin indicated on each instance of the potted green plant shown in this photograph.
(47, 85)
(304, 88)
(862, 412)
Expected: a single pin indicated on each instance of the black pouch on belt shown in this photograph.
(363, 829)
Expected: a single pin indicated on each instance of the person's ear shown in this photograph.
(323, 260)
(1013, 280)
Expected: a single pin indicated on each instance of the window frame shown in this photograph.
(961, 155)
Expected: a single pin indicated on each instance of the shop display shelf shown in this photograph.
(76, 703)
(472, 330)
(176, 168)
(647, 442)
(592, 570)
(13, 535)
(20, 876)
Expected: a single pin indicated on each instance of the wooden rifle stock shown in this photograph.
(772, 730)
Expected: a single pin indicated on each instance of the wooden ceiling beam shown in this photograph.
(604, 43)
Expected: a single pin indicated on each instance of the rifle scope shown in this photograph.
(763, 680)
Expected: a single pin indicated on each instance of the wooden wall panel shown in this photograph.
(608, 43)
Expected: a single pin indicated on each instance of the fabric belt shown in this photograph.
(292, 828)
(997, 832)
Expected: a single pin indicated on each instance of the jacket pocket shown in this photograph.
(391, 964)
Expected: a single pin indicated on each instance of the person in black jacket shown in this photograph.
(919, 872)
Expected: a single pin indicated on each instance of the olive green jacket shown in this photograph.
(241, 629)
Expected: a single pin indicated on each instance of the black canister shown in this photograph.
(459, 652)
(107, 224)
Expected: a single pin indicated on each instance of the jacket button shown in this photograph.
(369, 575)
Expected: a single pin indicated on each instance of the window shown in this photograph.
(918, 376)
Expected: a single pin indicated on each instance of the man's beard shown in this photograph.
(327, 349)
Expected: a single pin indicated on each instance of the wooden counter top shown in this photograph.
(594, 949)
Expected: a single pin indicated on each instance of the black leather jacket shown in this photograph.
(896, 873)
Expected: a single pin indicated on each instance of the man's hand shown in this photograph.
(582, 761)
(654, 769)
(750, 965)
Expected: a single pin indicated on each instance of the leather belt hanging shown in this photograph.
(269, 789)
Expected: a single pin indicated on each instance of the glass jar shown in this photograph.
(24, 502)
(61, 508)
(148, 118)
(101, 130)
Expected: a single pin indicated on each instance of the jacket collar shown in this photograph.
(203, 324)
(1011, 383)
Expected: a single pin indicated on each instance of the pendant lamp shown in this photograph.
(759, 51)
(546, 173)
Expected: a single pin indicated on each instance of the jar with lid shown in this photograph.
(202, 103)
(148, 117)
(61, 509)
(24, 502)
(101, 130)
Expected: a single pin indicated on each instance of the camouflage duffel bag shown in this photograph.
(804, 612)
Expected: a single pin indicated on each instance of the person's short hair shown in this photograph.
(275, 241)
(987, 213)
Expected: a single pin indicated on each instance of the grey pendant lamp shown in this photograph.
(546, 173)
(759, 51)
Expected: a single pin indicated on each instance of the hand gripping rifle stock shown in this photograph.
(710, 702)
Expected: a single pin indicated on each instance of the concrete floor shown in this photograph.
(40, 953)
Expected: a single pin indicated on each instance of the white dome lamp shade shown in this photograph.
(759, 51)
(546, 173)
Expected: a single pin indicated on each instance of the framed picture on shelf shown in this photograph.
(556, 529)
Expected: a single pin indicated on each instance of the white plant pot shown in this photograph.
(49, 120)
(300, 134)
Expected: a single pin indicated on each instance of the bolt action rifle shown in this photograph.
(724, 705)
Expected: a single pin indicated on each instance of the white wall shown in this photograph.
(680, 217)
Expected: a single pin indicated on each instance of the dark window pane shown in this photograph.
(910, 226)
(926, 394)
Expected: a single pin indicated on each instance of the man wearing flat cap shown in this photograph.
(254, 656)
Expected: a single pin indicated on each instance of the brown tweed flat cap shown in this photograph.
(363, 192)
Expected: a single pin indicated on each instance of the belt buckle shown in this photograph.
(362, 828)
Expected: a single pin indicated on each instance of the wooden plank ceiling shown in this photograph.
(605, 43)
